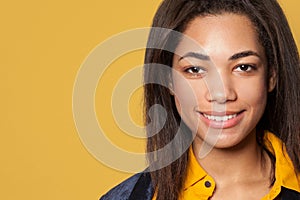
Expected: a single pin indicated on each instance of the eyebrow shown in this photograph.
(195, 55)
(233, 57)
(244, 54)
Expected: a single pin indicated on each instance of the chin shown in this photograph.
(220, 140)
(226, 144)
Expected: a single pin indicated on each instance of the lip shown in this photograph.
(215, 113)
(222, 124)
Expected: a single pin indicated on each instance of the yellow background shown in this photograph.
(42, 46)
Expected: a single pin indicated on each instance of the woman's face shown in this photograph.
(227, 77)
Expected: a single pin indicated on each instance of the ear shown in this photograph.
(272, 79)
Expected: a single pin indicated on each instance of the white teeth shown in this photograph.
(219, 118)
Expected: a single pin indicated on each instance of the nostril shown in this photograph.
(218, 97)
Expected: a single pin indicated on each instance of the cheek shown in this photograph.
(184, 95)
(187, 94)
(254, 94)
(181, 92)
(185, 100)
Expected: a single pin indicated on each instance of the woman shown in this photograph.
(233, 104)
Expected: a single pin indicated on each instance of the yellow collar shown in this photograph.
(195, 172)
(284, 170)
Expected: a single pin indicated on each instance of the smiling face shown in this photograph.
(227, 77)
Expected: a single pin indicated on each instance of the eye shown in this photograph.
(195, 70)
(244, 68)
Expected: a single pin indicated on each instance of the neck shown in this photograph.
(234, 164)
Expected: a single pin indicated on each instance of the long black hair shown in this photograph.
(282, 113)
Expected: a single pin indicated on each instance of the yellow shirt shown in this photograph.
(199, 185)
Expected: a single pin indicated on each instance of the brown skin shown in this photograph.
(282, 113)
(228, 86)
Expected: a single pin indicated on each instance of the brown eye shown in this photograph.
(195, 70)
(244, 68)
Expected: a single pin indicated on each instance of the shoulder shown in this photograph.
(137, 186)
(123, 190)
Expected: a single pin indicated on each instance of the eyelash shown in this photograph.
(252, 67)
(200, 70)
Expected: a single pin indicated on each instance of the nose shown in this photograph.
(220, 88)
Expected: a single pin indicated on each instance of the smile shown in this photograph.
(222, 120)
(219, 118)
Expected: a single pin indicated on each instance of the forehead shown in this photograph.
(223, 35)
